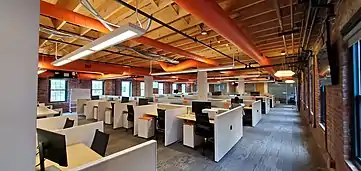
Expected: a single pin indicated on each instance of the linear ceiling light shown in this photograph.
(290, 81)
(284, 73)
(197, 70)
(41, 71)
(119, 35)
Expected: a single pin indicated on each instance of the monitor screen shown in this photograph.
(175, 91)
(53, 146)
(255, 93)
(143, 102)
(95, 97)
(198, 106)
(125, 99)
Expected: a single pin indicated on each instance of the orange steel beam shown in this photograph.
(218, 20)
(53, 11)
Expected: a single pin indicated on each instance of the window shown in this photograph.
(155, 84)
(357, 99)
(126, 88)
(174, 87)
(97, 88)
(142, 88)
(217, 87)
(161, 88)
(58, 90)
(183, 88)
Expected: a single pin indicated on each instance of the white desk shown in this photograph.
(191, 117)
(44, 111)
(77, 154)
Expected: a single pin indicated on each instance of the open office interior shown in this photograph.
(146, 85)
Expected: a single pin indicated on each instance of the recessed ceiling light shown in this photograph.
(290, 81)
(204, 33)
(283, 53)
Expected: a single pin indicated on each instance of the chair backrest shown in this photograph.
(130, 116)
(161, 118)
(68, 123)
(203, 127)
(100, 142)
(259, 99)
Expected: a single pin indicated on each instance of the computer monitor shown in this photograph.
(216, 93)
(175, 91)
(52, 146)
(95, 97)
(255, 93)
(198, 106)
(150, 99)
(143, 102)
(125, 99)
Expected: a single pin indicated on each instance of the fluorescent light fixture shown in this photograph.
(80, 55)
(113, 77)
(115, 40)
(283, 53)
(41, 71)
(61, 62)
(290, 81)
(204, 33)
(284, 73)
(119, 35)
(196, 70)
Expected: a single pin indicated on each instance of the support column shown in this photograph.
(19, 50)
(241, 86)
(229, 88)
(148, 86)
(202, 85)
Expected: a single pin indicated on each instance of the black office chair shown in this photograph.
(160, 125)
(100, 142)
(68, 123)
(57, 114)
(204, 129)
(40, 117)
(130, 116)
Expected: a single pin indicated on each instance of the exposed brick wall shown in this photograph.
(211, 87)
(44, 88)
(118, 87)
(136, 88)
(167, 88)
(336, 148)
(188, 87)
(109, 87)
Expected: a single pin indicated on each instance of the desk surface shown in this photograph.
(190, 117)
(247, 107)
(44, 111)
(78, 154)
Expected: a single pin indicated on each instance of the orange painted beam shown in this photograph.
(91, 67)
(53, 11)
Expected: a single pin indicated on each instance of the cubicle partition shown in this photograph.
(142, 157)
(256, 112)
(139, 111)
(80, 106)
(118, 113)
(228, 130)
(81, 134)
(173, 125)
(55, 123)
(89, 108)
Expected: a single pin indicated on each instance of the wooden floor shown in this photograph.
(278, 143)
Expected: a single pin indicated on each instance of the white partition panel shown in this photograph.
(173, 125)
(228, 130)
(55, 123)
(81, 134)
(140, 111)
(102, 106)
(256, 112)
(142, 157)
(80, 105)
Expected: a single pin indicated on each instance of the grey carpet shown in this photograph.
(278, 143)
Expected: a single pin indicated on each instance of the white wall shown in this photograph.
(18, 48)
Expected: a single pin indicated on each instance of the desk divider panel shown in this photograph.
(142, 157)
(139, 111)
(81, 134)
(228, 130)
(88, 111)
(173, 125)
(55, 123)
(118, 114)
(256, 112)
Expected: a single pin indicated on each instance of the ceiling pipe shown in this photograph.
(278, 12)
(90, 66)
(217, 19)
(292, 34)
(175, 30)
(53, 11)
(306, 24)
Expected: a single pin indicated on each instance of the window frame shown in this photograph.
(130, 88)
(142, 89)
(65, 91)
(160, 83)
(356, 99)
(184, 87)
(91, 90)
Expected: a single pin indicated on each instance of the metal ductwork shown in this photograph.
(53, 11)
(182, 66)
(217, 19)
